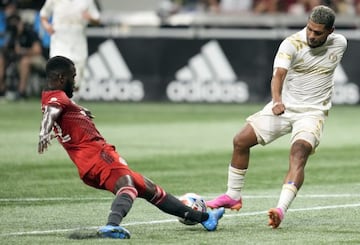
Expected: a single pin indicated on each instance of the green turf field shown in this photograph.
(184, 148)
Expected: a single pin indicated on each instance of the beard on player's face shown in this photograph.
(69, 87)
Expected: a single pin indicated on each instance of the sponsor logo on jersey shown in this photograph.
(107, 76)
(208, 77)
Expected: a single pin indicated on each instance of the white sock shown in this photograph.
(287, 195)
(236, 180)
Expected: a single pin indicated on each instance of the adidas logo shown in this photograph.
(107, 77)
(344, 91)
(208, 77)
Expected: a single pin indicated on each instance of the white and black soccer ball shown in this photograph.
(193, 201)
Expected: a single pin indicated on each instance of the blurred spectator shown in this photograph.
(212, 6)
(233, 6)
(357, 6)
(21, 52)
(297, 7)
(68, 31)
(167, 8)
(266, 6)
(43, 35)
(301, 7)
(344, 7)
(9, 7)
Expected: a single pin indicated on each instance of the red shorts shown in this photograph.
(109, 167)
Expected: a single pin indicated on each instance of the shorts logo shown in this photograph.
(208, 77)
(108, 77)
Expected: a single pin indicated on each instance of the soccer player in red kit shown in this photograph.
(98, 163)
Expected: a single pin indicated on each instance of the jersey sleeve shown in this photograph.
(284, 55)
(56, 99)
(342, 42)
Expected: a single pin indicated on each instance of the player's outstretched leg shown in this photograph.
(214, 215)
(116, 232)
(276, 215)
(226, 202)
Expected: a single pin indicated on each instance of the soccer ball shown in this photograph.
(193, 201)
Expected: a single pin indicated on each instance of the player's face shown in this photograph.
(316, 34)
(70, 82)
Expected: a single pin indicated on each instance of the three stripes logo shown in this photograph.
(208, 77)
(108, 77)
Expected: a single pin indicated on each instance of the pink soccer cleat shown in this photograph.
(276, 215)
(226, 202)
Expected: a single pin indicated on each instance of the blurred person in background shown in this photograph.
(7, 8)
(68, 30)
(21, 52)
(302, 7)
(301, 89)
(231, 6)
(357, 7)
(266, 6)
(344, 7)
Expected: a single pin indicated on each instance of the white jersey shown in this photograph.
(69, 39)
(309, 81)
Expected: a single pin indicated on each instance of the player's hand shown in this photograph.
(86, 16)
(44, 142)
(278, 108)
(49, 28)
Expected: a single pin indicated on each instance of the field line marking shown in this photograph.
(354, 205)
(31, 199)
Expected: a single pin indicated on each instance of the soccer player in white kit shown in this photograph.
(301, 90)
(68, 30)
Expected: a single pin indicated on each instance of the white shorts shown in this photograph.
(306, 125)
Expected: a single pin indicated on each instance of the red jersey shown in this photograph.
(75, 131)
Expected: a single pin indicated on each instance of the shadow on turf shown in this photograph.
(84, 234)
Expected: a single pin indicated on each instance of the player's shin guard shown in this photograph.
(121, 205)
(287, 195)
(236, 181)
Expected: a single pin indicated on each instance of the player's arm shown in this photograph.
(92, 14)
(51, 113)
(88, 17)
(277, 82)
(45, 12)
(282, 62)
(47, 25)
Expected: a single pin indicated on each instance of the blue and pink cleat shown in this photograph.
(116, 232)
(226, 202)
(211, 223)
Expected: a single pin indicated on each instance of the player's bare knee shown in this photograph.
(242, 141)
(123, 181)
(305, 140)
(154, 193)
(300, 151)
